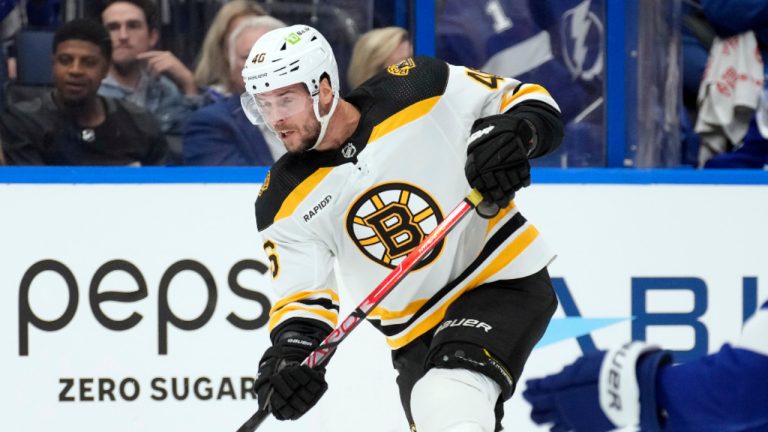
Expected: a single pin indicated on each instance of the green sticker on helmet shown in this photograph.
(293, 38)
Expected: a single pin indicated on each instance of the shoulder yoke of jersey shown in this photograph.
(385, 95)
(398, 87)
(289, 181)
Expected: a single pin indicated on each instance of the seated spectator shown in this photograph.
(375, 50)
(155, 80)
(73, 125)
(213, 66)
(220, 133)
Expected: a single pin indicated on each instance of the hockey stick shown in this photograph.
(329, 345)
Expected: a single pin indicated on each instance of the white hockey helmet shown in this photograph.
(286, 56)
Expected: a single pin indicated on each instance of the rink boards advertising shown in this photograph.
(142, 306)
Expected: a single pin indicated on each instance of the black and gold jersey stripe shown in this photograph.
(441, 296)
(386, 102)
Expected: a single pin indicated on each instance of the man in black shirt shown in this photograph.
(72, 125)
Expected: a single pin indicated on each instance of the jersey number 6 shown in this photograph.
(274, 264)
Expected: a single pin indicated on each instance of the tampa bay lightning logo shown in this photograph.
(583, 39)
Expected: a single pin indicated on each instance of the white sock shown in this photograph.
(454, 400)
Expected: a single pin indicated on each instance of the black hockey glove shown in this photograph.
(497, 157)
(290, 388)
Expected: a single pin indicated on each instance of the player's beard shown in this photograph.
(312, 133)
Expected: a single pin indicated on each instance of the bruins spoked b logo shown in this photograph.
(390, 220)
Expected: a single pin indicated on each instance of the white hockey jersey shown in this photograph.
(373, 200)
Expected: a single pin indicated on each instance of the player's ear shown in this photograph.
(326, 94)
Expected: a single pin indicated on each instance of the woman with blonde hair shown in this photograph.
(376, 50)
(213, 66)
(220, 133)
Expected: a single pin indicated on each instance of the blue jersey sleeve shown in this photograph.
(725, 391)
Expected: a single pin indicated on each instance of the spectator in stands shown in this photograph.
(155, 80)
(213, 66)
(73, 125)
(375, 50)
(220, 133)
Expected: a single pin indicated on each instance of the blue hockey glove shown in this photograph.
(600, 391)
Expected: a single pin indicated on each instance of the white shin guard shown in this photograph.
(454, 400)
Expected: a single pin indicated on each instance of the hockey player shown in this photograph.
(637, 385)
(365, 179)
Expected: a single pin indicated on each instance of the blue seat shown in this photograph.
(33, 59)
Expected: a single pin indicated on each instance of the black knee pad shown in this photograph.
(462, 355)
